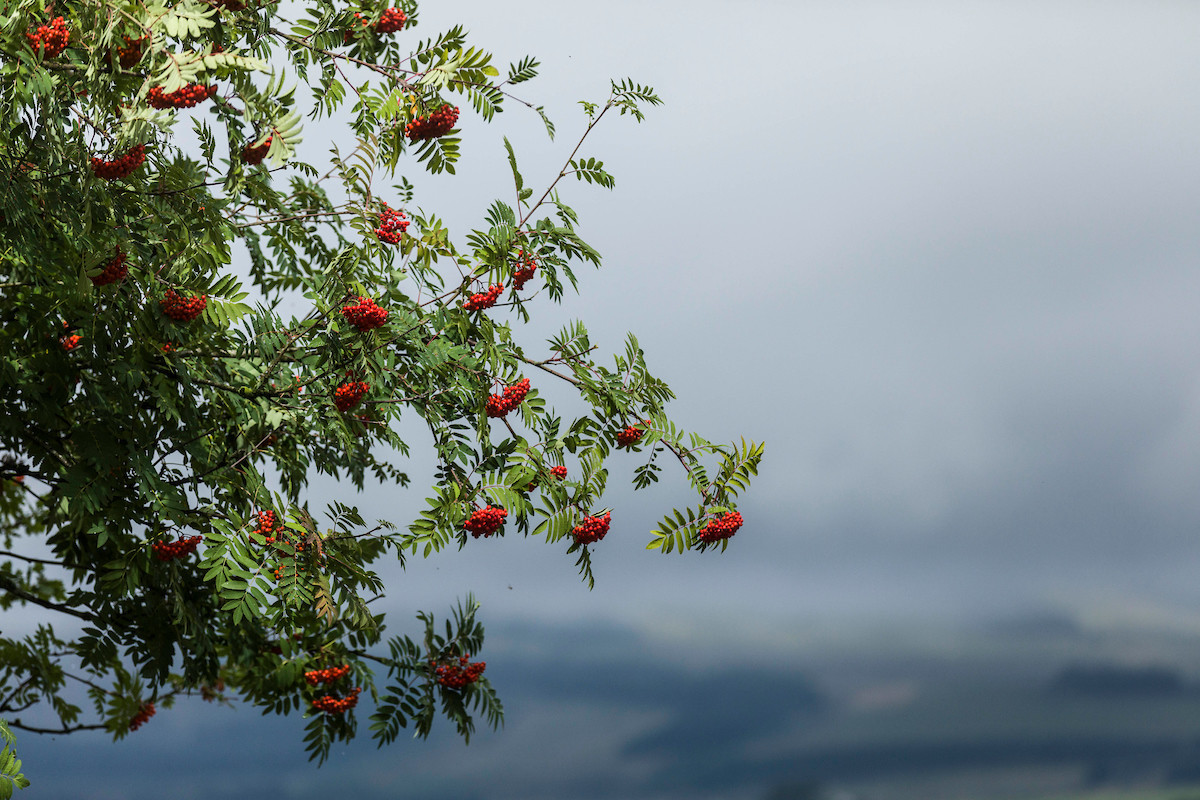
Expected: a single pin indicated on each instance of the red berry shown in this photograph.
(592, 529)
(524, 270)
(115, 270)
(180, 308)
(50, 39)
(328, 675)
(192, 94)
(121, 167)
(720, 528)
(630, 436)
(139, 719)
(268, 525)
(482, 300)
(392, 20)
(349, 394)
(456, 676)
(559, 472)
(392, 225)
(129, 55)
(180, 548)
(365, 315)
(337, 705)
(498, 405)
(486, 521)
(439, 123)
(255, 154)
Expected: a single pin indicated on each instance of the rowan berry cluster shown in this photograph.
(268, 525)
(439, 123)
(364, 315)
(252, 154)
(392, 225)
(115, 270)
(121, 167)
(337, 705)
(193, 94)
(498, 405)
(182, 309)
(51, 39)
(349, 394)
(70, 342)
(592, 529)
(720, 528)
(486, 521)
(142, 716)
(630, 436)
(392, 20)
(180, 548)
(482, 300)
(456, 676)
(129, 55)
(328, 675)
(525, 268)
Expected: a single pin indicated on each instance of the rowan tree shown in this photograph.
(162, 417)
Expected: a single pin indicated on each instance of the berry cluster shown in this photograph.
(121, 167)
(328, 675)
(456, 676)
(51, 39)
(115, 270)
(70, 342)
(255, 155)
(486, 521)
(720, 528)
(349, 394)
(180, 548)
(193, 94)
(337, 705)
(392, 225)
(439, 123)
(365, 315)
(482, 300)
(393, 20)
(498, 405)
(129, 55)
(268, 525)
(182, 309)
(142, 716)
(592, 529)
(630, 436)
(524, 270)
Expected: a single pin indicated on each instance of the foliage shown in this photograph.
(140, 452)
(10, 765)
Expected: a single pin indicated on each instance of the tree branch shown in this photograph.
(10, 586)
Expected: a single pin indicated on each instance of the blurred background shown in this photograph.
(941, 257)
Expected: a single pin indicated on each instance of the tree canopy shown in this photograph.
(162, 417)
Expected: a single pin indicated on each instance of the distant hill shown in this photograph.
(1109, 680)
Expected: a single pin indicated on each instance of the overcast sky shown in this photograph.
(941, 257)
